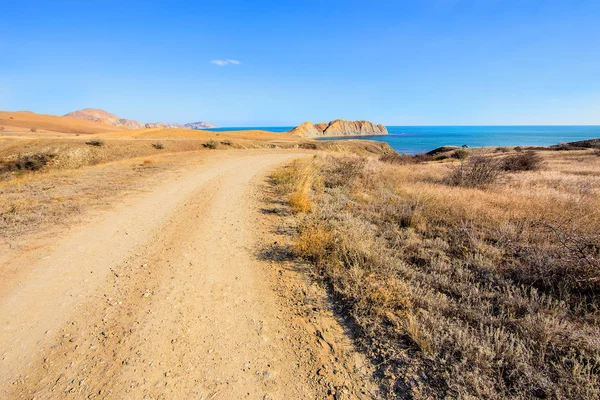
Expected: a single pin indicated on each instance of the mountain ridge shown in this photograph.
(102, 116)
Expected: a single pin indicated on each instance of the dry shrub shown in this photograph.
(299, 200)
(296, 182)
(33, 130)
(567, 146)
(455, 293)
(477, 171)
(460, 154)
(395, 158)
(31, 162)
(95, 142)
(211, 144)
(283, 177)
(522, 161)
(342, 170)
(158, 145)
(147, 162)
(308, 146)
(314, 243)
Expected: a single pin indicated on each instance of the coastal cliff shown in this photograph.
(338, 127)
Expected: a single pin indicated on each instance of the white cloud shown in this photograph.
(222, 63)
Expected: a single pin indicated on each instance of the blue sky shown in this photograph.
(430, 62)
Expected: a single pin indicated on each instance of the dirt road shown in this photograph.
(164, 297)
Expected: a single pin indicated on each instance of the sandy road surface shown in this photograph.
(161, 297)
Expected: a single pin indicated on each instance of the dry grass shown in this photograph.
(37, 203)
(488, 292)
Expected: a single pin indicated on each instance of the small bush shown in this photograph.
(285, 177)
(227, 142)
(477, 171)
(343, 170)
(502, 149)
(95, 142)
(566, 146)
(518, 149)
(32, 162)
(523, 161)
(211, 144)
(308, 146)
(158, 146)
(33, 130)
(597, 152)
(300, 201)
(460, 154)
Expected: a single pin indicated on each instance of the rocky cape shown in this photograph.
(337, 128)
(96, 115)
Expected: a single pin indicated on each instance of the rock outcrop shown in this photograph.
(337, 128)
(96, 115)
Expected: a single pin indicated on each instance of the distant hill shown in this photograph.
(339, 127)
(97, 115)
(163, 125)
(27, 120)
(199, 125)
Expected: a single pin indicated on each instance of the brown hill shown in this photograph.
(96, 115)
(26, 120)
(339, 127)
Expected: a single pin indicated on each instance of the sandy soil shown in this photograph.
(168, 294)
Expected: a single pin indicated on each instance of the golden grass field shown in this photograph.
(457, 291)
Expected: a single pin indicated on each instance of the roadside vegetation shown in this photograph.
(477, 276)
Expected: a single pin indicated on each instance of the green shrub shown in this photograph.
(211, 144)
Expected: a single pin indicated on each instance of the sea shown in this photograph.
(420, 139)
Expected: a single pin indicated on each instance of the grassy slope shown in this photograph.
(486, 292)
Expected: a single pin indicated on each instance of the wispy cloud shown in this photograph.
(222, 63)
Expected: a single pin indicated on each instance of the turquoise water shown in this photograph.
(419, 139)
